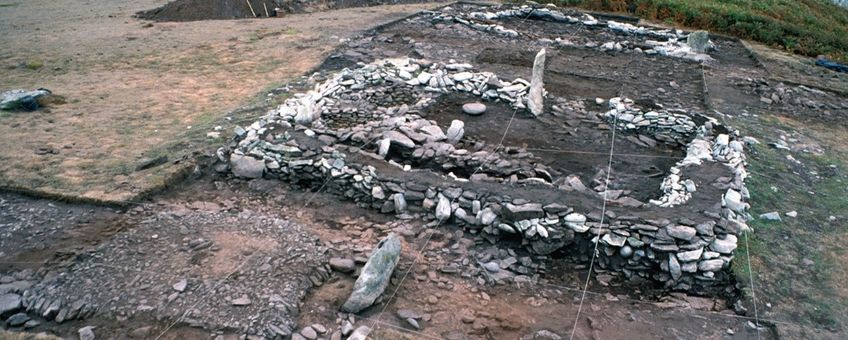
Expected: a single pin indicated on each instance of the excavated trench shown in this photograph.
(674, 201)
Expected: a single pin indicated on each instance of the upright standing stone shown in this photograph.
(698, 41)
(535, 101)
(375, 275)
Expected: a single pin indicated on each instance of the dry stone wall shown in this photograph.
(304, 141)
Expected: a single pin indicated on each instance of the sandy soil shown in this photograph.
(135, 90)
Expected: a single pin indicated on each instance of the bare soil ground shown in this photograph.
(194, 10)
(136, 91)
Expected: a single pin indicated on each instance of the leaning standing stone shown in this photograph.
(535, 102)
(375, 275)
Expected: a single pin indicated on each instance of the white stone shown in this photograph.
(725, 246)
(535, 100)
(456, 131)
(474, 109)
(443, 208)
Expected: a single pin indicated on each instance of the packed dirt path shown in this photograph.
(135, 91)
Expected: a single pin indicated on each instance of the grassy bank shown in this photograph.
(807, 27)
(796, 262)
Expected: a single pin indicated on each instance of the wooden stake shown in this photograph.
(251, 7)
(266, 9)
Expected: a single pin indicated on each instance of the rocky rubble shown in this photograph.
(242, 272)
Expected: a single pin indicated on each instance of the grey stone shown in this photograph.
(455, 131)
(733, 200)
(625, 251)
(21, 99)
(681, 232)
(400, 203)
(309, 333)
(771, 216)
(9, 304)
(724, 246)
(319, 328)
(535, 100)
(492, 266)
(246, 166)
(378, 193)
(710, 265)
(487, 216)
(342, 265)
(398, 138)
(375, 275)
(698, 41)
(691, 255)
(674, 267)
(413, 323)
(361, 333)
(547, 245)
(523, 212)
(443, 208)
(86, 333)
(181, 285)
(242, 301)
(474, 109)
(17, 319)
(407, 314)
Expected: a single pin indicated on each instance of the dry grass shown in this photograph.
(136, 92)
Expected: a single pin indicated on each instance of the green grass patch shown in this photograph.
(808, 27)
(34, 64)
(794, 260)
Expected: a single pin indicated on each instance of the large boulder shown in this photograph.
(375, 275)
(246, 166)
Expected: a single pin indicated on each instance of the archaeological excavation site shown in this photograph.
(436, 170)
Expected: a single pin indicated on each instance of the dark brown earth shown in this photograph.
(194, 10)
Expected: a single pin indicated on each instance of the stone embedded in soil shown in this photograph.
(342, 265)
(474, 109)
(375, 275)
(181, 285)
(242, 301)
(361, 333)
(535, 100)
(309, 333)
(86, 333)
